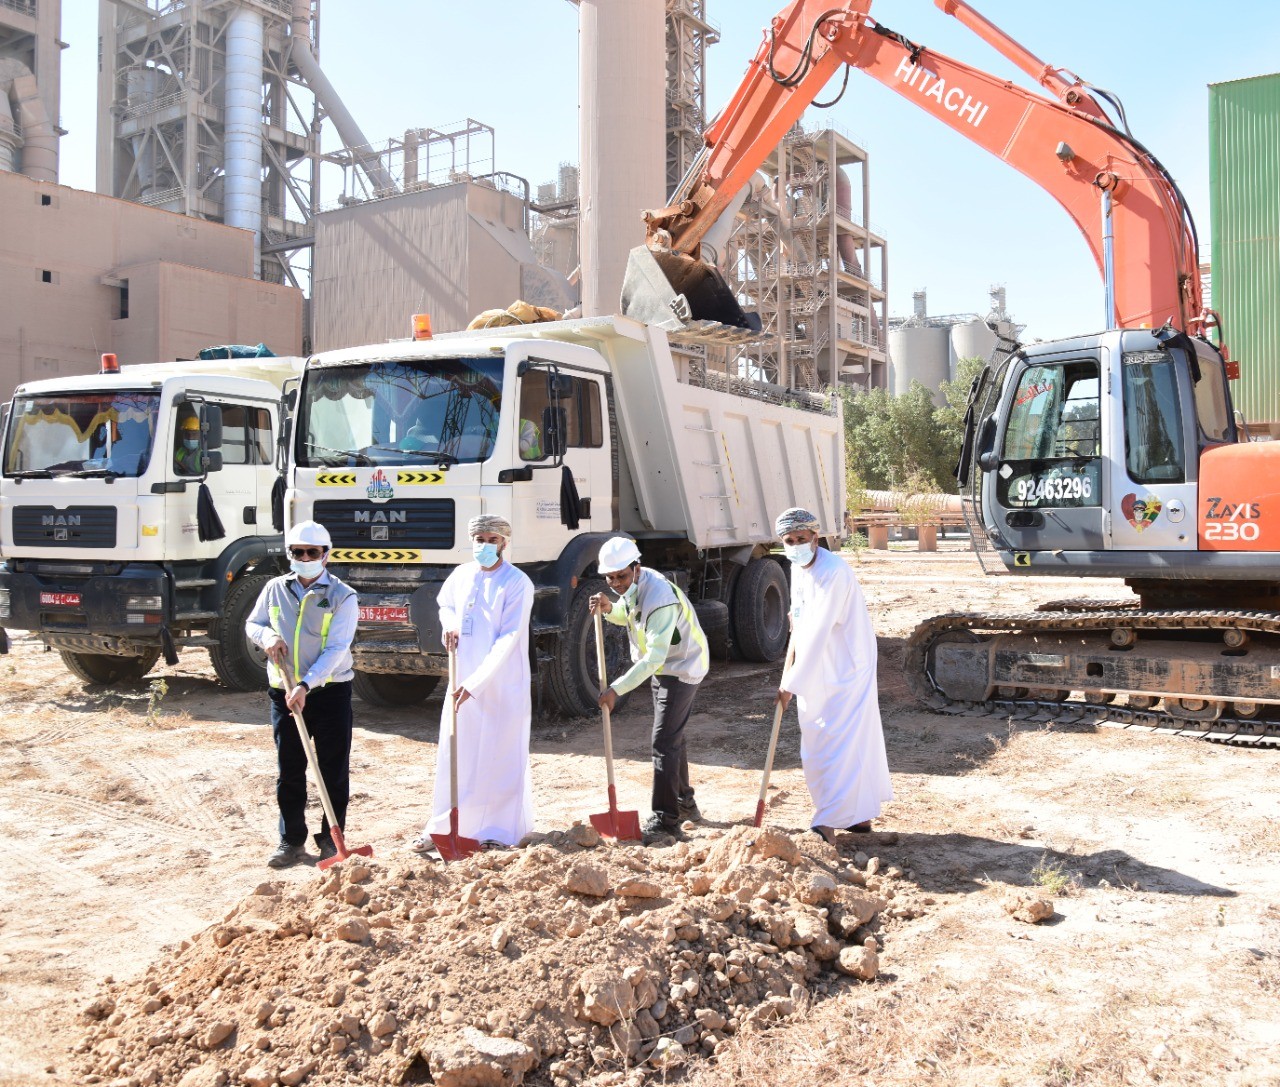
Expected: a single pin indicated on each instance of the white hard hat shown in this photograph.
(617, 554)
(309, 534)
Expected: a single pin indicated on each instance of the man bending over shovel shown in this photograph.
(305, 622)
(484, 613)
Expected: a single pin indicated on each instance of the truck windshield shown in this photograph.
(84, 433)
(425, 411)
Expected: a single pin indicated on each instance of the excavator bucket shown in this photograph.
(683, 295)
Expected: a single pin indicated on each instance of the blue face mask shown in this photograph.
(801, 554)
(486, 554)
(191, 443)
(308, 569)
(633, 590)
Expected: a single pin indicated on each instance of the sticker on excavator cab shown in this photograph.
(1022, 558)
(1040, 484)
(1140, 510)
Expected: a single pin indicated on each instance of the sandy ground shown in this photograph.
(132, 818)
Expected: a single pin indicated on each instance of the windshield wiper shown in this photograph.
(441, 458)
(359, 457)
(97, 473)
(34, 473)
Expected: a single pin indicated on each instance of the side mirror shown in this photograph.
(988, 462)
(213, 461)
(213, 428)
(554, 424)
(559, 386)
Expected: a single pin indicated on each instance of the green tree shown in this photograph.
(949, 419)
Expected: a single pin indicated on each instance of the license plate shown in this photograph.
(384, 615)
(61, 600)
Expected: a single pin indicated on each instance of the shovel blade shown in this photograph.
(453, 847)
(621, 825)
(759, 820)
(340, 844)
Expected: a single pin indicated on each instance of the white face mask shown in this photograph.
(801, 554)
(306, 568)
(486, 554)
(633, 590)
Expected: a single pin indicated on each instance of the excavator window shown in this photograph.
(1213, 407)
(1051, 444)
(1153, 442)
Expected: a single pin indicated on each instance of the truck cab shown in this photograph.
(136, 518)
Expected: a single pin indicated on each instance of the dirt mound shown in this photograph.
(585, 961)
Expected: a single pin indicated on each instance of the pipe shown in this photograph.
(348, 131)
(39, 140)
(242, 149)
(9, 141)
(846, 243)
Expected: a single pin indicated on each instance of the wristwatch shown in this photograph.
(305, 686)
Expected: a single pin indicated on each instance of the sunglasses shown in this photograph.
(306, 552)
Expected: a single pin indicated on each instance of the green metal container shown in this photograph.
(1244, 188)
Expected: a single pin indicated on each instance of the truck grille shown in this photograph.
(417, 522)
(75, 526)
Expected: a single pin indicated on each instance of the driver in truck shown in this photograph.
(186, 445)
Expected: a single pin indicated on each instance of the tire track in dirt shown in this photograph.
(95, 812)
(177, 794)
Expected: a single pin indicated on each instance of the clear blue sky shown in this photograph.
(956, 219)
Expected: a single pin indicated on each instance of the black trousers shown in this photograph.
(672, 704)
(327, 716)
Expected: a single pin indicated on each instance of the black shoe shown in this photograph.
(860, 828)
(655, 827)
(688, 809)
(286, 855)
(326, 846)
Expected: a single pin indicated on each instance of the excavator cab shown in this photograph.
(1093, 446)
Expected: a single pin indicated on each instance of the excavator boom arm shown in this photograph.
(1070, 150)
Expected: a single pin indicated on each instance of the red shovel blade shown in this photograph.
(622, 825)
(342, 851)
(451, 846)
(759, 813)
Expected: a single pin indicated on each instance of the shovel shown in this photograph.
(451, 846)
(623, 825)
(773, 746)
(335, 831)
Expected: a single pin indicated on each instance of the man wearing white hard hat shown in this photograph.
(832, 674)
(484, 613)
(307, 620)
(669, 649)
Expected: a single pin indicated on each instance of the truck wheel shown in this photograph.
(104, 668)
(382, 689)
(713, 617)
(240, 663)
(572, 682)
(760, 602)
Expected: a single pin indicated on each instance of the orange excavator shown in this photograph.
(1112, 454)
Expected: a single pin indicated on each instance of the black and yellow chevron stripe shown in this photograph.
(417, 478)
(336, 479)
(371, 554)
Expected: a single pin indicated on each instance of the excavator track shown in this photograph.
(1032, 643)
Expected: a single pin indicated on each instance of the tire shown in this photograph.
(573, 684)
(713, 617)
(104, 668)
(239, 663)
(379, 689)
(761, 600)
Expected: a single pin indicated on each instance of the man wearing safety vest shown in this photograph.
(669, 649)
(305, 622)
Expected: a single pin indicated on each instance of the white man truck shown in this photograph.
(574, 431)
(136, 514)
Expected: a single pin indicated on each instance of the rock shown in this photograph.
(583, 836)
(354, 929)
(354, 895)
(381, 1024)
(263, 1012)
(647, 1025)
(686, 1035)
(699, 883)
(606, 997)
(215, 1034)
(500, 938)
(204, 1075)
(748, 845)
(668, 1053)
(267, 890)
(294, 1075)
(587, 879)
(475, 1059)
(639, 888)
(358, 873)
(858, 962)
(811, 931)
(817, 889)
(259, 1075)
(710, 1019)
(1028, 908)
(775, 1007)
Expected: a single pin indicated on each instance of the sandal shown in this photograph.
(860, 828)
(424, 847)
(492, 843)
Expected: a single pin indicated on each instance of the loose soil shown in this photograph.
(143, 940)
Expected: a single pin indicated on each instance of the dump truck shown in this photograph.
(136, 514)
(574, 431)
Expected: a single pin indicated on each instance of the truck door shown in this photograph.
(1044, 484)
(576, 402)
(1153, 463)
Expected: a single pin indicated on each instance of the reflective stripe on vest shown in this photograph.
(273, 673)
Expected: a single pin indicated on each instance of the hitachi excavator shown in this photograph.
(1114, 454)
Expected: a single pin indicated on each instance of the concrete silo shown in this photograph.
(919, 350)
